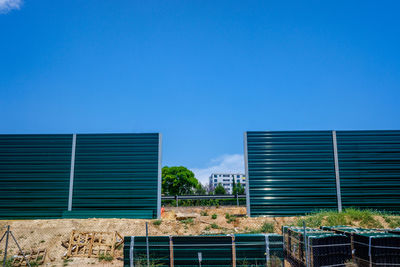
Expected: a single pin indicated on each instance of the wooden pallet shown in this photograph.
(93, 244)
(36, 256)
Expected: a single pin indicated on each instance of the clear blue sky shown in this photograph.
(200, 72)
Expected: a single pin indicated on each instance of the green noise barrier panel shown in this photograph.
(369, 164)
(80, 176)
(213, 250)
(298, 172)
(116, 172)
(34, 175)
(290, 173)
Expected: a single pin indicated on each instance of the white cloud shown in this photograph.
(229, 163)
(7, 5)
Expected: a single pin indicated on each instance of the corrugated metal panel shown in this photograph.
(216, 250)
(251, 249)
(116, 172)
(116, 175)
(290, 173)
(158, 251)
(369, 164)
(34, 175)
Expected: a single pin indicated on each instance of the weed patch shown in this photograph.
(203, 213)
(105, 257)
(214, 226)
(187, 221)
(157, 222)
(350, 216)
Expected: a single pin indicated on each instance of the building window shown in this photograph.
(215, 180)
(226, 175)
(237, 176)
(215, 176)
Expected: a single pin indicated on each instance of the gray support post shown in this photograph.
(305, 243)
(147, 245)
(369, 251)
(171, 252)
(3, 236)
(200, 257)
(267, 253)
(246, 166)
(5, 250)
(159, 176)
(337, 174)
(131, 248)
(71, 173)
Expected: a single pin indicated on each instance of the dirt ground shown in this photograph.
(48, 234)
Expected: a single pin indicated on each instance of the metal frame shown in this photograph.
(246, 166)
(131, 248)
(159, 176)
(337, 173)
(197, 197)
(72, 172)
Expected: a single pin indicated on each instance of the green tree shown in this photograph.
(233, 185)
(219, 190)
(200, 190)
(178, 181)
(239, 189)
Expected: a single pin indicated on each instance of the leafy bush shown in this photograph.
(214, 216)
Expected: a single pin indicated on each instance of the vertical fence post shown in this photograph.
(200, 257)
(5, 250)
(305, 242)
(267, 254)
(233, 251)
(337, 173)
(147, 245)
(131, 247)
(246, 166)
(72, 173)
(369, 251)
(237, 199)
(171, 252)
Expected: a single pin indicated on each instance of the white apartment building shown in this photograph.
(226, 180)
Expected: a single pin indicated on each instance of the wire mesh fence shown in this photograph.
(99, 242)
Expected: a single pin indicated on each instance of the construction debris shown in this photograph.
(34, 256)
(92, 244)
